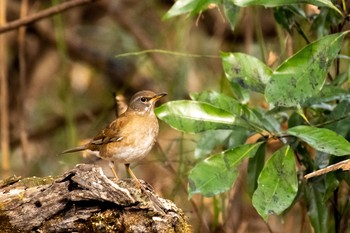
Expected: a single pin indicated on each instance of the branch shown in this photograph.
(43, 14)
(85, 200)
(344, 165)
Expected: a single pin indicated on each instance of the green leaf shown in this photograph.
(287, 15)
(277, 184)
(188, 6)
(194, 117)
(331, 184)
(209, 140)
(237, 137)
(241, 94)
(227, 139)
(217, 173)
(303, 75)
(322, 139)
(317, 209)
(260, 118)
(295, 119)
(341, 118)
(274, 3)
(325, 21)
(327, 94)
(232, 13)
(219, 100)
(195, 6)
(255, 166)
(340, 79)
(245, 70)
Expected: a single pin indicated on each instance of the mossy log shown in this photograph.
(85, 200)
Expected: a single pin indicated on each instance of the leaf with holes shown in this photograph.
(303, 75)
(275, 3)
(245, 70)
(277, 184)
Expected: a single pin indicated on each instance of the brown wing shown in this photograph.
(108, 134)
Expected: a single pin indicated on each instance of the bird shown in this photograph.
(130, 137)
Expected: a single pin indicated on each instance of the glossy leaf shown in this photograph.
(194, 117)
(303, 75)
(218, 173)
(322, 139)
(219, 100)
(274, 3)
(277, 184)
(317, 209)
(193, 7)
(245, 70)
(188, 6)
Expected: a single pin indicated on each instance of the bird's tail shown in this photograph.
(75, 149)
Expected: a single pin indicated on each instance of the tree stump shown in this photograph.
(85, 200)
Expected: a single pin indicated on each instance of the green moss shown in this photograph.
(36, 181)
(8, 181)
(106, 221)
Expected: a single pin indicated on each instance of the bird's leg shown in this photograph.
(156, 203)
(127, 166)
(111, 165)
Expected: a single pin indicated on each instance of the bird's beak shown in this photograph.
(158, 96)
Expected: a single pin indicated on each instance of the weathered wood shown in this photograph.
(85, 200)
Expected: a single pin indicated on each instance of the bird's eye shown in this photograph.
(143, 99)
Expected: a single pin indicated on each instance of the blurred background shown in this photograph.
(60, 73)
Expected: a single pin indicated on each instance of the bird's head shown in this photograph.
(143, 101)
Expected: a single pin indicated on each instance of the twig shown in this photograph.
(4, 125)
(344, 165)
(43, 14)
(167, 52)
(333, 120)
(22, 83)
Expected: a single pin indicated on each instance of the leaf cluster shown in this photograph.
(307, 114)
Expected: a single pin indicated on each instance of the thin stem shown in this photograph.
(42, 14)
(166, 52)
(301, 32)
(332, 121)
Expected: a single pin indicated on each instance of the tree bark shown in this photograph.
(85, 200)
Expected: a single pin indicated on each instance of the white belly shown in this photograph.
(133, 150)
(130, 154)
